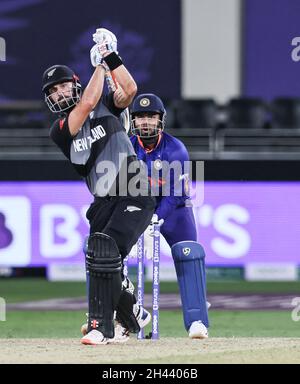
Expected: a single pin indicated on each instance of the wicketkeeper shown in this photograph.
(173, 210)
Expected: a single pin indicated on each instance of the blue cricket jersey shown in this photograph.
(171, 188)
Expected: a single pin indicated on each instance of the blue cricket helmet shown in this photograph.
(147, 103)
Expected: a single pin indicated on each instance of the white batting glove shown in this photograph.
(97, 57)
(155, 221)
(104, 36)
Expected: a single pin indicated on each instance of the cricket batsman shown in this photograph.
(157, 148)
(89, 133)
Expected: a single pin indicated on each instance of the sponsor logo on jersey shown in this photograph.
(132, 208)
(158, 164)
(156, 182)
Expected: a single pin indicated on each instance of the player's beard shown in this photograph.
(148, 131)
(63, 102)
(149, 140)
(149, 136)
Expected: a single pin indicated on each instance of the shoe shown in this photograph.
(121, 335)
(94, 337)
(198, 330)
(143, 317)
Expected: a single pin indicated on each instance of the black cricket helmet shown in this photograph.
(145, 104)
(60, 74)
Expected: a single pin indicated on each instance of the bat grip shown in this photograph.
(111, 81)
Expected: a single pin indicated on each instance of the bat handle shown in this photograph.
(111, 81)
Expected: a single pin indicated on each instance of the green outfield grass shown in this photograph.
(59, 324)
(66, 324)
(18, 290)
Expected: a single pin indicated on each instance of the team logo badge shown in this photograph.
(51, 73)
(144, 102)
(158, 164)
(186, 251)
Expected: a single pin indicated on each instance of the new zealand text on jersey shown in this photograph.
(86, 142)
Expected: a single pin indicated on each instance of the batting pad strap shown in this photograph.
(113, 61)
(102, 254)
(104, 265)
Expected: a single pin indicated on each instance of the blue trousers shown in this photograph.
(179, 226)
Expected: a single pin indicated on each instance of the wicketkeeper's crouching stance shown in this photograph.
(89, 133)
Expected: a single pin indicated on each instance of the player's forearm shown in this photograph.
(127, 84)
(89, 100)
(105, 52)
(94, 89)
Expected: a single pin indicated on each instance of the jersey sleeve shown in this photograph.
(178, 182)
(133, 141)
(108, 101)
(60, 134)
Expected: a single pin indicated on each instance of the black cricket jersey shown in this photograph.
(102, 152)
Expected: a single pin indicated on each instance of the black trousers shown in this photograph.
(122, 218)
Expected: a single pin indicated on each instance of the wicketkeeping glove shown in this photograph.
(155, 221)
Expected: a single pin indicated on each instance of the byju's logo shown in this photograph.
(15, 231)
(2, 49)
(6, 236)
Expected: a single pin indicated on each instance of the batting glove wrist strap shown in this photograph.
(113, 61)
